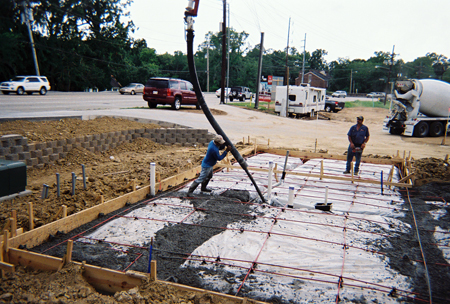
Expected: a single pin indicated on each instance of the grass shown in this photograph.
(366, 104)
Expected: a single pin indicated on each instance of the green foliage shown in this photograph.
(366, 104)
(81, 43)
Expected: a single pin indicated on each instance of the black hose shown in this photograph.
(208, 114)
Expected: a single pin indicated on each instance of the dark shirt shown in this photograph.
(358, 136)
(212, 155)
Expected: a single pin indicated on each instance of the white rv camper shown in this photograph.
(304, 100)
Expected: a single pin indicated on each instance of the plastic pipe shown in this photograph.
(152, 178)
(291, 197)
(83, 169)
(150, 257)
(58, 191)
(74, 178)
(269, 182)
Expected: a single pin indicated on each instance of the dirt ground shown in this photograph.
(110, 174)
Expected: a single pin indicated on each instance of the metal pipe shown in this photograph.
(291, 198)
(382, 183)
(285, 164)
(150, 256)
(58, 191)
(74, 178)
(269, 182)
(207, 112)
(84, 176)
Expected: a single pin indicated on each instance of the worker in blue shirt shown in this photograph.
(211, 158)
(358, 136)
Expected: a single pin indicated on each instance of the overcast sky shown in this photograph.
(347, 28)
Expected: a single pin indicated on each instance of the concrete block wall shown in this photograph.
(16, 147)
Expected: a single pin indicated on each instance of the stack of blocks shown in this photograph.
(16, 147)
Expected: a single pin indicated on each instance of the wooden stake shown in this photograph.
(64, 211)
(153, 270)
(133, 184)
(59, 212)
(255, 147)
(30, 216)
(274, 169)
(5, 245)
(102, 199)
(321, 169)
(398, 154)
(446, 158)
(69, 251)
(13, 226)
(404, 154)
(243, 140)
(268, 143)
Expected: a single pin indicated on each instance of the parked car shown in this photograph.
(26, 84)
(333, 105)
(376, 94)
(132, 89)
(219, 91)
(171, 91)
(241, 93)
(339, 94)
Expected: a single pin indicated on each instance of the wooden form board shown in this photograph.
(103, 279)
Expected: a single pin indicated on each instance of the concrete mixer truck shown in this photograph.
(419, 107)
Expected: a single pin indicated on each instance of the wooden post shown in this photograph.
(404, 154)
(69, 251)
(5, 245)
(446, 158)
(153, 271)
(102, 199)
(13, 225)
(133, 185)
(398, 153)
(268, 143)
(30, 216)
(321, 169)
(64, 210)
(275, 169)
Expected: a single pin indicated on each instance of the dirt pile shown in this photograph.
(431, 169)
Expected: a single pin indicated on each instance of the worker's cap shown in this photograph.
(219, 140)
(360, 118)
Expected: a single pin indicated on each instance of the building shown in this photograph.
(315, 78)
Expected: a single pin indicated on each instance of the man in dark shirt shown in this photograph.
(211, 158)
(358, 136)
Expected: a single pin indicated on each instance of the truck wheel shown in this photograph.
(152, 105)
(328, 108)
(421, 130)
(312, 114)
(177, 103)
(436, 129)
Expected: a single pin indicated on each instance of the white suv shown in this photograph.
(26, 84)
(339, 94)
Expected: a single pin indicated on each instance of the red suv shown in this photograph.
(175, 92)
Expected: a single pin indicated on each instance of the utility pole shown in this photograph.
(228, 50)
(224, 53)
(287, 72)
(258, 78)
(351, 74)
(27, 16)
(304, 53)
(389, 74)
(207, 67)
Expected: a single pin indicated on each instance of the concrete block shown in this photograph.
(131, 131)
(128, 137)
(79, 139)
(51, 144)
(96, 136)
(16, 149)
(57, 150)
(108, 140)
(85, 145)
(71, 141)
(62, 155)
(14, 157)
(53, 157)
(124, 132)
(40, 146)
(76, 145)
(43, 160)
(47, 151)
(140, 131)
(101, 142)
(10, 140)
(67, 148)
(29, 147)
(98, 148)
(31, 162)
(103, 136)
(5, 151)
(135, 135)
(36, 153)
(105, 147)
(61, 142)
(92, 149)
(24, 155)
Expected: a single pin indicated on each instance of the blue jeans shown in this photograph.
(350, 155)
(205, 175)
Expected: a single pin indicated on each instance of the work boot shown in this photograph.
(192, 188)
(346, 172)
(204, 184)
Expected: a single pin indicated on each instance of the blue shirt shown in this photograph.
(212, 155)
(358, 136)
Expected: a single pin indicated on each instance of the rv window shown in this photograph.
(292, 97)
(306, 98)
(315, 98)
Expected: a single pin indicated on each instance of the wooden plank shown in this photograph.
(6, 267)
(30, 216)
(153, 270)
(355, 179)
(69, 251)
(310, 155)
(33, 260)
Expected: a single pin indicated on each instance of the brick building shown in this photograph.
(315, 78)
